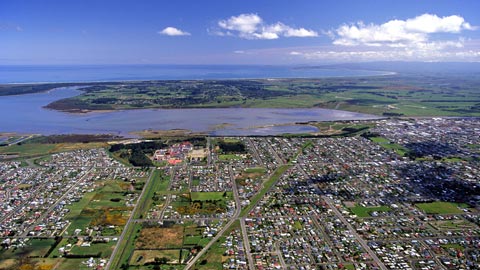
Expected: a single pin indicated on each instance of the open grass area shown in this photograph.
(399, 149)
(439, 208)
(203, 196)
(362, 211)
(255, 170)
(202, 203)
(104, 249)
(35, 248)
(213, 259)
(104, 206)
(252, 173)
(453, 246)
(229, 157)
(453, 224)
(70, 263)
(40, 149)
(126, 246)
(28, 149)
(157, 185)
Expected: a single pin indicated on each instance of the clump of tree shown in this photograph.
(138, 158)
(236, 147)
(136, 153)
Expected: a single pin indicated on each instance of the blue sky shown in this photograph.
(237, 32)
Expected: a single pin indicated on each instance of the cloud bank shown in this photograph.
(172, 31)
(252, 26)
(414, 32)
(426, 37)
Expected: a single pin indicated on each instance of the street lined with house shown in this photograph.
(404, 195)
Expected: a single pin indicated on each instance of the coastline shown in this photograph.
(210, 74)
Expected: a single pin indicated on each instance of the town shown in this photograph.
(402, 194)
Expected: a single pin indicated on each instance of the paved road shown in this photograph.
(209, 155)
(238, 208)
(50, 209)
(246, 243)
(255, 151)
(129, 223)
(362, 242)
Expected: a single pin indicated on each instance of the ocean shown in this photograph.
(95, 73)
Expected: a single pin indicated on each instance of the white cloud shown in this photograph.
(415, 32)
(428, 23)
(366, 54)
(251, 26)
(172, 31)
(243, 23)
(10, 27)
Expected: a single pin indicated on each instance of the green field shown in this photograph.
(104, 249)
(203, 196)
(439, 208)
(399, 149)
(157, 186)
(398, 95)
(255, 170)
(26, 149)
(35, 248)
(105, 205)
(229, 157)
(361, 211)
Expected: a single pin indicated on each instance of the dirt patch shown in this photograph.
(156, 238)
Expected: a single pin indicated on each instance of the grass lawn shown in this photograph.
(196, 240)
(105, 249)
(28, 149)
(95, 204)
(229, 157)
(399, 149)
(361, 211)
(70, 263)
(35, 248)
(439, 208)
(203, 196)
(453, 224)
(297, 225)
(255, 170)
(36, 149)
(454, 246)
(126, 247)
(214, 257)
(157, 184)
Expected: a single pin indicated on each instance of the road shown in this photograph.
(246, 243)
(362, 242)
(129, 223)
(209, 151)
(236, 214)
(50, 209)
(255, 151)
